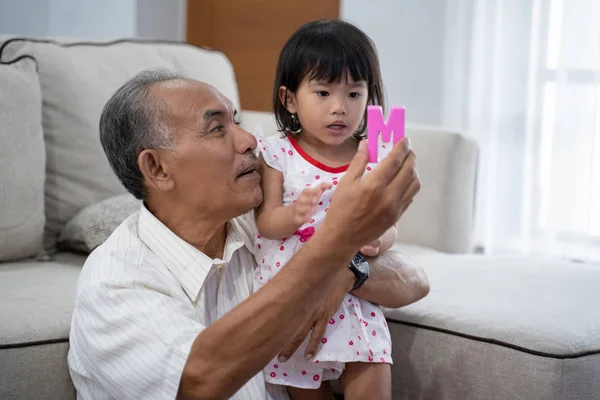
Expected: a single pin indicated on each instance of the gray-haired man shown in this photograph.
(164, 307)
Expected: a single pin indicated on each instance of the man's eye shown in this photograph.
(322, 93)
(354, 95)
(219, 128)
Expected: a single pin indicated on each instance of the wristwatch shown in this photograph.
(360, 268)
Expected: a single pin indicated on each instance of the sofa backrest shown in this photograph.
(77, 78)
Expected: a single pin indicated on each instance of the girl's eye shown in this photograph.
(354, 95)
(322, 93)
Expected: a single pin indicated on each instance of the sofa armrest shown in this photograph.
(441, 216)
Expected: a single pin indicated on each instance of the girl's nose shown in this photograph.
(339, 108)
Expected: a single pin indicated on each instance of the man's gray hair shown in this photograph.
(133, 120)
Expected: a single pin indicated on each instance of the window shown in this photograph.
(568, 170)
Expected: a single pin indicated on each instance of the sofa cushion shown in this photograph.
(38, 371)
(539, 305)
(95, 223)
(77, 79)
(36, 304)
(22, 160)
(499, 327)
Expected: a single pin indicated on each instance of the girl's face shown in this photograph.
(328, 112)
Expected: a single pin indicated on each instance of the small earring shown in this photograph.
(295, 128)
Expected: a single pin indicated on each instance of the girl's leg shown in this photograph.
(362, 381)
(323, 393)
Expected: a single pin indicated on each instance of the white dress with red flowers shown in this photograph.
(357, 332)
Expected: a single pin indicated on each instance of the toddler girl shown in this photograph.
(327, 74)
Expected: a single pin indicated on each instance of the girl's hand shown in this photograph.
(306, 205)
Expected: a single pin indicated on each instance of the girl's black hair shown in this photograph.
(327, 50)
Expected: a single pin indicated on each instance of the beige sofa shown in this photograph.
(491, 328)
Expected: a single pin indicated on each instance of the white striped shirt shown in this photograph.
(143, 297)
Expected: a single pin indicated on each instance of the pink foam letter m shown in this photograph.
(376, 124)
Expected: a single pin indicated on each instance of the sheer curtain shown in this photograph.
(523, 77)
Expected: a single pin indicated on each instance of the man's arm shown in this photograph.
(229, 352)
(395, 281)
(233, 349)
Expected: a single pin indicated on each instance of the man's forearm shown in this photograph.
(395, 281)
(232, 350)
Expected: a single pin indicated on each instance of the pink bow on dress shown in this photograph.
(305, 233)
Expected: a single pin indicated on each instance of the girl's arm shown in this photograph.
(275, 221)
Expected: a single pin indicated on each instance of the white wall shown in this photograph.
(409, 35)
(161, 19)
(92, 19)
(25, 17)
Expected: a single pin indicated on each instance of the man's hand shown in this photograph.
(319, 320)
(372, 249)
(364, 207)
(305, 205)
(380, 245)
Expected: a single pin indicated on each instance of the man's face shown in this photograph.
(213, 166)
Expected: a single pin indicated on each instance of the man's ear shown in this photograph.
(155, 171)
(288, 99)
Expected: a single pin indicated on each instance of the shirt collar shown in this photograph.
(189, 265)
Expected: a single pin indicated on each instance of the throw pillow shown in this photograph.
(91, 227)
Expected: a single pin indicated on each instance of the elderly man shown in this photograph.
(164, 307)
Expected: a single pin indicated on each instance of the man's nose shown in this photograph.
(244, 140)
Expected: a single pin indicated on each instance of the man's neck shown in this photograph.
(206, 235)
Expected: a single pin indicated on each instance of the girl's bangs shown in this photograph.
(335, 64)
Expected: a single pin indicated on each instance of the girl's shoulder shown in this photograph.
(273, 148)
(278, 139)
(271, 138)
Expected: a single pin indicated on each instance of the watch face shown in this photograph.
(361, 264)
(363, 267)
(358, 258)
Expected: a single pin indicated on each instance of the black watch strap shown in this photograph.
(360, 268)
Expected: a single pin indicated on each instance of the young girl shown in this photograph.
(327, 74)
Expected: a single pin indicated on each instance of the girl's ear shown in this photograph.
(288, 99)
